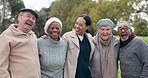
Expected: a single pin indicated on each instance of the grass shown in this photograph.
(119, 72)
(145, 38)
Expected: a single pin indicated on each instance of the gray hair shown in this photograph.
(126, 23)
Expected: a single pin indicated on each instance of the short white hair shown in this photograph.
(126, 23)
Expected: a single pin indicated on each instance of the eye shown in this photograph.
(57, 28)
(33, 18)
(80, 24)
(119, 29)
(108, 29)
(29, 16)
(124, 28)
(51, 28)
(102, 29)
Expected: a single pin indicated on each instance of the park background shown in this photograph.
(133, 11)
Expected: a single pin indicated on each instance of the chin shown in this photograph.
(104, 39)
(124, 39)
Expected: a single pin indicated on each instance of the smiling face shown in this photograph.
(80, 26)
(124, 31)
(105, 32)
(26, 21)
(54, 30)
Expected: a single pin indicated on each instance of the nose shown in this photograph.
(105, 31)
(122, 30)
(31, 19)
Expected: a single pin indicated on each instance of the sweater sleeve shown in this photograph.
(143, 55)
(4, 57)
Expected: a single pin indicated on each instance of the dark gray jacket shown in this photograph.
(134, 59)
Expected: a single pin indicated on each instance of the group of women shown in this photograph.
(77, 54)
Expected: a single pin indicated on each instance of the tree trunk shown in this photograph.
(3, 13)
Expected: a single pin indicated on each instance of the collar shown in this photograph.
(53, 41)
(17, 32)
(124, 43)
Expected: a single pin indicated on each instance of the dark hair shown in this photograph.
(87, 19)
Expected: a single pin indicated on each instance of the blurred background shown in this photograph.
(134, 11)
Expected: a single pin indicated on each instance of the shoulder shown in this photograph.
(138, 40)
(62, 41)
(139, 44)
(6, 35)
(69, 33)
(6, 32)
(116, 42)
(88, 34)
(41, 41)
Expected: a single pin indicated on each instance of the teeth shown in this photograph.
(124, 35)
(28, 24)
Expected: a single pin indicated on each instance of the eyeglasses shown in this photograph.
(124, 28)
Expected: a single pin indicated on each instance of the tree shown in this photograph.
(40, 23)
(68, 10)
(15, 6)
(141, 28)
(9, 12)
(139, 23)
(4, 14)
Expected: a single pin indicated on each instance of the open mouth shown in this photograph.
(124, 36)
(105, 34)
(28, 23)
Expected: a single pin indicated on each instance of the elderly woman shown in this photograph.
(52, 50)
(104, 61)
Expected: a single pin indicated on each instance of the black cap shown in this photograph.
(29, 10)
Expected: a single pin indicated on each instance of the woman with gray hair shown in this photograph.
(104, 59)
(52, 50)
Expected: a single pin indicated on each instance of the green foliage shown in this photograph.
(63, 10)
(68, 10)
(39, 28)
(141, 27)
(40, 23)
(15, 6)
